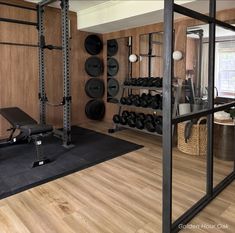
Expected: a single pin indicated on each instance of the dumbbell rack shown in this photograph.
(118, 127)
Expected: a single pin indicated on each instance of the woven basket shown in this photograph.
(197, 143)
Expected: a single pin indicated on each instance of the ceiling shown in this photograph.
(77, 4)
(114, 15)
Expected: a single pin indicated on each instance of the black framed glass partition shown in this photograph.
(203, 76)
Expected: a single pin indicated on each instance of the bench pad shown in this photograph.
(30, 130)
(16, 117)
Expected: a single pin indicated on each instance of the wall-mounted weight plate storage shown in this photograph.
(95, 88)
(94, 66)
(112, 47)
(93, 44)
(95, 109)
(112, 66)
(113, 87)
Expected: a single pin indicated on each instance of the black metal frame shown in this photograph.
(211, 192)
(65, 134)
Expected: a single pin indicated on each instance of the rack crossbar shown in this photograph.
(18, 21)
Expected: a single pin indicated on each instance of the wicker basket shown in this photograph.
(197, 143)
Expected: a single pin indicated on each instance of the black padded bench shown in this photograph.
(29, 129)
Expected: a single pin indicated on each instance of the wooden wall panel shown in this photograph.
(19, 66)
(111, 109)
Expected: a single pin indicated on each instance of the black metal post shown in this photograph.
(66, 75)
(210, 122)
(167, 117)
(150, 51)
(42, 86)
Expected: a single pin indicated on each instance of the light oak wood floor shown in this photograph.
(122, 195)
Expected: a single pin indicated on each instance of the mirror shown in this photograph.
(151, 52)
(197, 54)
(118, 66)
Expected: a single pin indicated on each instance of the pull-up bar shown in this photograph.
(18, 6)
(49, 47)
(18, 21)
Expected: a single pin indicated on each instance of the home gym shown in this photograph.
(115, 120)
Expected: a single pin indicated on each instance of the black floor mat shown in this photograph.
(91, 148)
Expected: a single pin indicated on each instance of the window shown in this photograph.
(225, 70)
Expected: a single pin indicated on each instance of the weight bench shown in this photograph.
(29, 130)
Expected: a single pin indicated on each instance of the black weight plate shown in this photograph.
(113, 87)
(94, 66)
(95, 88)
(112, 47)
(112, 66)
(95, 109)
(93, 44)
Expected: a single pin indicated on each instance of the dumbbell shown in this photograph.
(146, 100)
(124, 117)
(156, 102)
(127, 82)
(133, 81)
(140, 81)
(158, 124)
(140, 119)
(116, 119)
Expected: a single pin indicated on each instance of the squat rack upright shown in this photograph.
(65, 134)
(66, 102)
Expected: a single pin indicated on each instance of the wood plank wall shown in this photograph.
(180, 28)
(19, 66)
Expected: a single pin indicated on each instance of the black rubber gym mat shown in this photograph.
(91, 148)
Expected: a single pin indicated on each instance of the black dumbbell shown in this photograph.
(156, 101)
(123, 100)
(158, 82)
(116, 119)
(123, 121)
(141, 116)
(131, 122)
(139, 123)
(140, 81)
(158, 122)
(149, 117)
(127, 82)
(132, 115)
(137, 101)
(145, 82)
(150, 126)
(133, 81)
(125, 114)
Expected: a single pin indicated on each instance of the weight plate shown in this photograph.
(112, 47)
(93, 44)
(113, 87)
(112, 66)
(94, 66)
(95, 88)
(95, 109)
